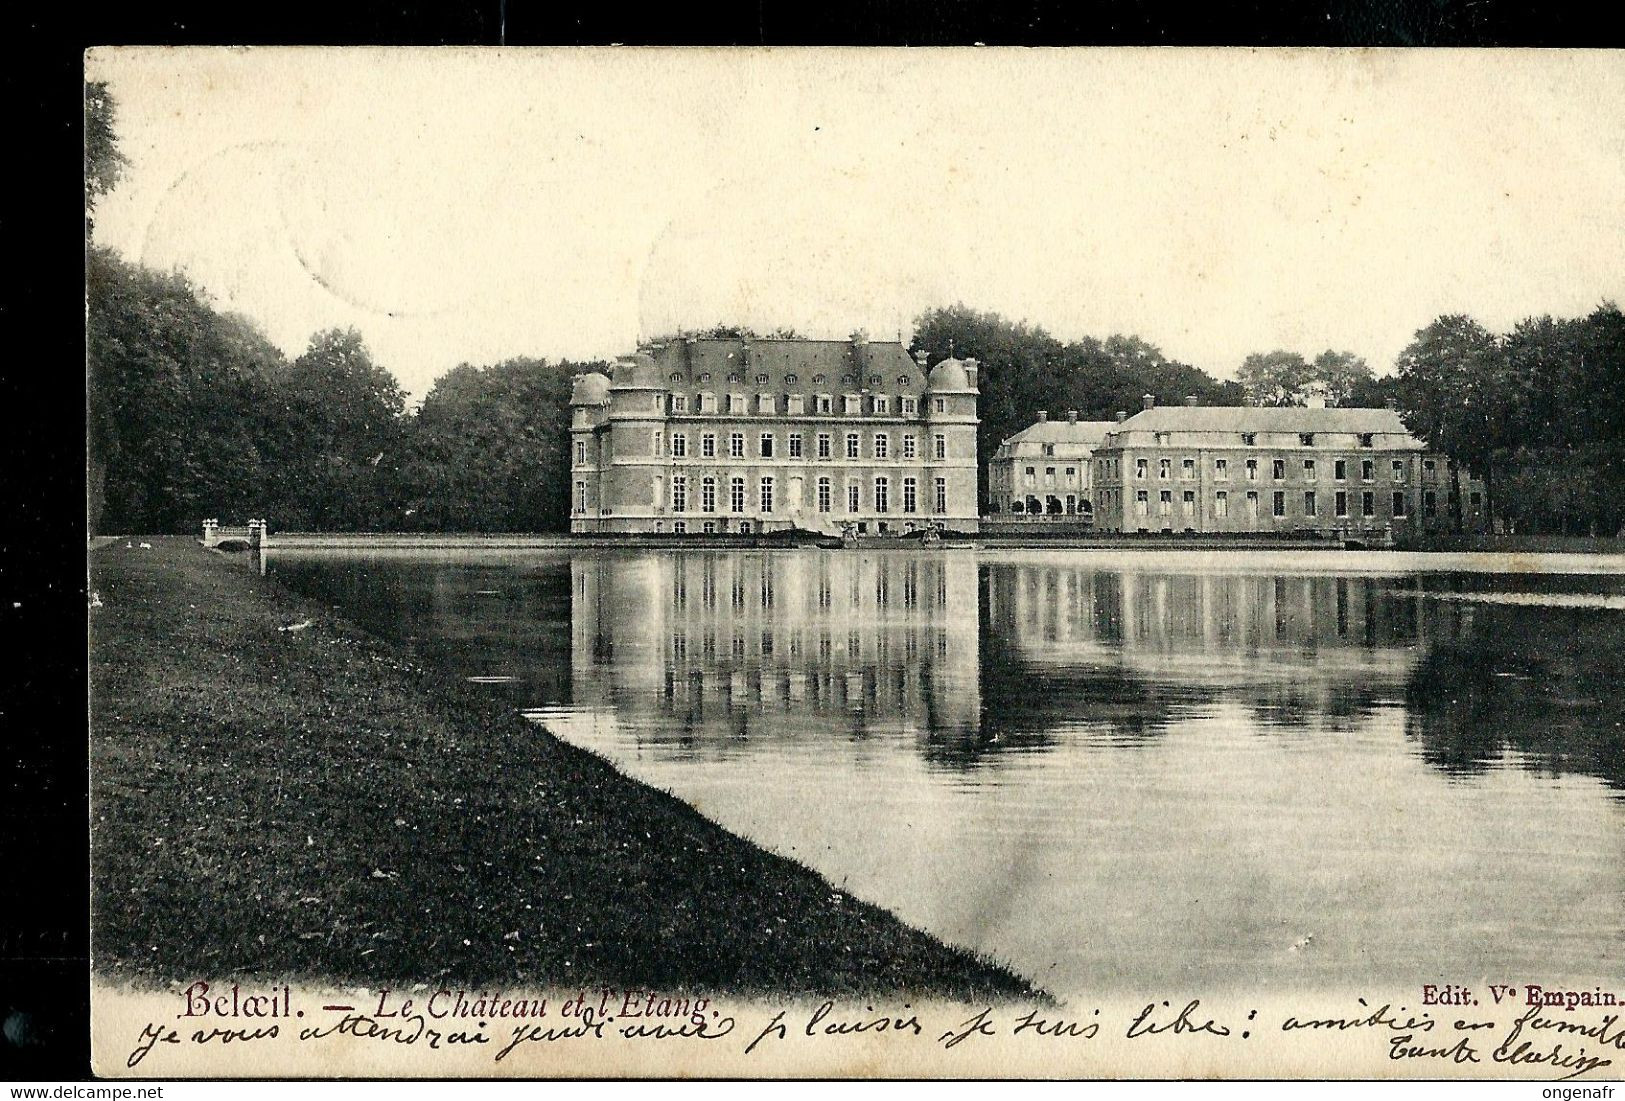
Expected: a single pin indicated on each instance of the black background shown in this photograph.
(44, 896)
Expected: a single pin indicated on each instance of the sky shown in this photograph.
(467, 205)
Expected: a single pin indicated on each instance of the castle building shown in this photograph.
(1045, 469)
(700, 435)
(1353, 473)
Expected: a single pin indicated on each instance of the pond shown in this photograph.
(1113, 772)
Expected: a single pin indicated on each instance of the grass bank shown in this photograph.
(315, 804)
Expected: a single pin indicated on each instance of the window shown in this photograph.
(708, 495)
(792, 377)
(1368, 503)
(1165, 503)
(1140, 502)
(942, 495)
(1071, 473)
(1140, 468)
(902, 380)
(909, 447)
(851, 445)
(736, 403)
(1430, 503)
(736, 445)
(823, 445)
(1164, 467)
(852, 497)
(875, 380)
(1368, 470)
(706, 403)
(941, 405)
(1187, 469)
(850, 404)
(1187, 503)
(761, 378)
(679, 527)
(1031, 476)
(1399, 504)
(1309, 470)
(767, 493)
(581, 496)
(1249, 438)
(679, 445)
(1049, 451)
(823, 404)
(881, 405)
(765, 404)
(1428, 466)
(1252, 470)
(657, 442)
(881, 495)
(1475, 498)
(709, 527)
(792, 405)
(1164, 438)
(823, 495)
(1306, 439)
(708, 445)
(736, 495)
(1365, 439)
(1221, 504)
(941, 445)
(907, 406)
(765, 445)
(1309, 502)
(910, 493)
(1340, 469)
(581, 452)
(795, 445)
(1340, 503)
(675, 376)
(1399, 470)
(1252, 505)
(1221, 470)
(679, 494)
(1049, 475)
(679, 403)
(882, 445)
(1278, 469)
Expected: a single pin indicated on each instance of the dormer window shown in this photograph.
(1306, 439)
(790, 379)
(902, 380)
(706, 377)
(761, 378)
(818, 378)
(1365, 439)
(875, 380)
(1250, 439)
(849, 380)
(676, 376)
(736, 377)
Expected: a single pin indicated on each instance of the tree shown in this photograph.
(104, 164)
(1274, 378)
(1339, 376)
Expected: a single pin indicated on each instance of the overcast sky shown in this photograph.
(466, 205)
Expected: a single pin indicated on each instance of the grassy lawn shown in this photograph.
(310, 804)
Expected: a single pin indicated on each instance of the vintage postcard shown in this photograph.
(856, 563)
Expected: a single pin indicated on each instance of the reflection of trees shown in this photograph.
(1542, 685)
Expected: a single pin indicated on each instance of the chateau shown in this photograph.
(701, 435)
(1355, 473)
(1045, 469)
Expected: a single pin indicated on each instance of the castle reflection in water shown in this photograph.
(974, 660)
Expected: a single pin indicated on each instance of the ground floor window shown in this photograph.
(767, 495)
(1368, 503)
(942, 495)
(680, 527)
(852, 493)
(1399, 504)
(1221, 504)
(1341, 502)
(823, 495)
(1278, 503)
(736, 495)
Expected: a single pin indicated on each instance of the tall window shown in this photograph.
(1368, 470)
(1252, 470)
(1278, 503)
(679, 445)
(851, 445)
(1340, 469)
(679, 494)
(1141, 502)
(708, 495)
(581, 452)
(823, 495)
(1187, 503)
(823, 404)
(1399, 504)
(767, 493)
(1165, 503)
(1221, 504)
(657, 442)
(910, 489)
(908, 447)
(1309, 502)
(766, 444)
(1368, 503)
(906, 406)
(942, 495)
(679, 403)
(1139, 468)
(1309, 470)
(581, 496)
(882, 445)
(1187, 469)
(941, 444)
(1399, 470)
(736, 445)
(708, 445)
(1164, 466)
(795, 445)
(882, 495)
(852, 497)
(736, 495)
(1252, 505)
(1430, 503)
(1278, 469)
(1221, 470)
(942, 405)
(882, 405)
(1340, 502)
(823, 445)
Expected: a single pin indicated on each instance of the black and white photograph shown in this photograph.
(856, 563)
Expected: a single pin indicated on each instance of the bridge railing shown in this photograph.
(256, 533)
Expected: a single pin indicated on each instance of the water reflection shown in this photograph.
(1111, 775)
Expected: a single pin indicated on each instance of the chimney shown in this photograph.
(1190, 400)
(1043, 415)
(1148, 401)
(971, 366)
(1071, 416)
(1122, 415)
